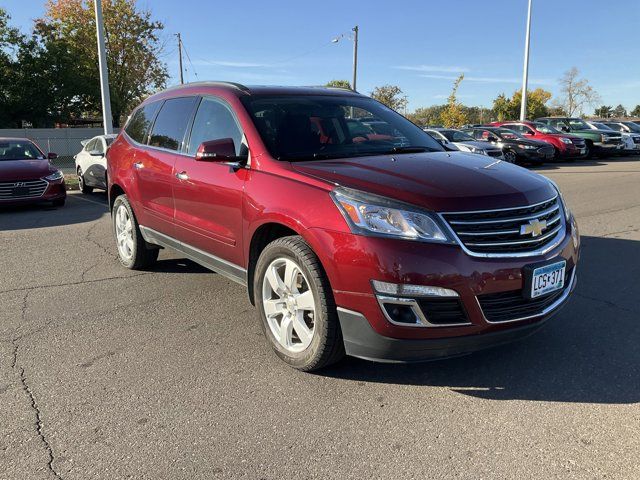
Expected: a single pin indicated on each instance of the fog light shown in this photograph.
(401, 313)
(403, 289)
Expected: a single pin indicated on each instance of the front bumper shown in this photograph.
(362, 341)
(55, 190)
(356, 260)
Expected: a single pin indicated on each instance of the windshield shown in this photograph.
(315, 127)
(634, 127)
(456, 136)
(507, 134)
(18, 150)
(577, 124)
(541, 127)
(601, 126)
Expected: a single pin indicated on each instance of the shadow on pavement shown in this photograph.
(178, 265)
(591, 162)
(589, 352)
(78, 209)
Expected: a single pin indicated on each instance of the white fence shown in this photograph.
(63, 141)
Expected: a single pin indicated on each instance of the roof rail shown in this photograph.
(333, 87)
(212, 83)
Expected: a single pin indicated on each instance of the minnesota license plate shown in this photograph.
(547, 279)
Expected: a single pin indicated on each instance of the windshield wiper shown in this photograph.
(410, 149)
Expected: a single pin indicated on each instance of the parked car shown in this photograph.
(464, 142)
(27, 176)
(515, 148)
(567, 147)
(365, 248)
(630, 134)
(91, 163)
(628, 139)
(599, 143)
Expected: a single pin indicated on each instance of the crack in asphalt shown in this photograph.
(65, 284)
(32, 399)
(104, 250)
(622, 231)
(609, 303)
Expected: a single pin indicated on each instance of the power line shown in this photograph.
(193, 68)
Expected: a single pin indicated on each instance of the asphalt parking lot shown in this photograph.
(108, 373)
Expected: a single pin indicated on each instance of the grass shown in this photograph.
(71, 180)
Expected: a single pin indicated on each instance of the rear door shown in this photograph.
(208, 195)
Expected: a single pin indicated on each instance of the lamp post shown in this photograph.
(525, 74)
(353, 37)
(104, 74)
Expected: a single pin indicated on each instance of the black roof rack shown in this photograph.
(212, 83)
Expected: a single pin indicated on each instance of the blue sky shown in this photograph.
(420, 46)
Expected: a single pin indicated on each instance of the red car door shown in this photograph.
(208, 195)
(154, 164)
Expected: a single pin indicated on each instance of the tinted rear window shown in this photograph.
(171, 123)
(138, 126)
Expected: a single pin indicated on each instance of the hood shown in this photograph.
(453, 181)
(478, 144)
(525, 141)
(24, 169)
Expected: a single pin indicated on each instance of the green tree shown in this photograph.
(619, 111)
(509, 108)
(425, 116)
(603, 111)
(10, 41)
(133, 51)
(339, 84)
(391, 96)
(635, 112)
(453, 115)
(502, 108)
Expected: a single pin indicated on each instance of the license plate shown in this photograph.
(20, 191)
(583, 150)
(547, 279)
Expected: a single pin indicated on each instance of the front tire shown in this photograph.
(133, 251)
(296, 306)
(82, 185)
(510, 157)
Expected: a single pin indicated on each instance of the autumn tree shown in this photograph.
(576, 92)
(339, 84)
(391, 96)
(133, 50)
(453, 115)
(509, 108)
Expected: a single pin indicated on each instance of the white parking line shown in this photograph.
(78, 197)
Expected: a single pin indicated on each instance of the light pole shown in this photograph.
(104, 74)
(180, 57)
(353, 37)
(525, 74)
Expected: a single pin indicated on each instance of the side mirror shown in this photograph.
(222, 150)
(52, 156)
(564, 128)
(529, 134)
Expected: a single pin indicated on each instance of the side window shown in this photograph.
(138, 127)
(89, 147)
(99, 146)
(516, 127)
(214, 121)
(172, 122)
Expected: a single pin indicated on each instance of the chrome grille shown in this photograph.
(22, 189)
(504, 231)
(579, 142)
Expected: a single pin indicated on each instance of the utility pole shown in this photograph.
(104, 74)
(180, 57)
(355, 57)
(525, 74)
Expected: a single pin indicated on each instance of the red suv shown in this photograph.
(567, 146)
(387, 249)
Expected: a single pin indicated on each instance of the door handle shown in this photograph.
(182, 176)
(138, 165)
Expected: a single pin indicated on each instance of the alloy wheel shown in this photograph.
(289, 304)
(124, 232)
(510, 157)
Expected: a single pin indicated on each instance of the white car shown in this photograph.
(631, 140)
(91, 163)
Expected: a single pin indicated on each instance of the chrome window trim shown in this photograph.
(417, 311)
(549, 309)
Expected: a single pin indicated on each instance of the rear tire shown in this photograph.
(319, 342)
(82, 185)
(133, 251)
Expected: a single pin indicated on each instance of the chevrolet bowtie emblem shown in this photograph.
(535, 227)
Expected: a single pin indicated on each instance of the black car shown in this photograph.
(515, 147)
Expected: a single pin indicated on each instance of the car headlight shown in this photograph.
(605, 137)
(57, 175)
(566, 140)
(379, 216)
(528, 147)
(479, 151)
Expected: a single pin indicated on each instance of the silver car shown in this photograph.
(464, 142)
